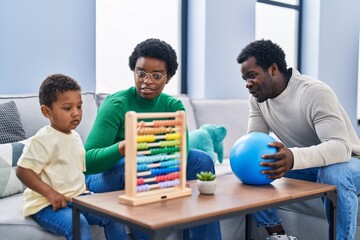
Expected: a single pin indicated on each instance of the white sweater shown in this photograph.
(308, 118)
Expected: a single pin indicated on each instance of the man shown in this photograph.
(317, 138)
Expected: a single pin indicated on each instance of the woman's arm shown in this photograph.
(102, 143)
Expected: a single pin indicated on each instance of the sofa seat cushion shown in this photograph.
(14, 226)
(223, 168)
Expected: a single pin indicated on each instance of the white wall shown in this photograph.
(311, 37)
(331, 46)
(218, 31)
(117, 36)
(41, 37)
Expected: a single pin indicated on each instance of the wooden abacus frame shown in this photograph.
(131, 196)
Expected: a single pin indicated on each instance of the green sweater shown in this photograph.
(109, 127)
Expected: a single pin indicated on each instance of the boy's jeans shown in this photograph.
(346, 178)
(114, 179)
(60, 223)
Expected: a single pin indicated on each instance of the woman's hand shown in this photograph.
(121, 147)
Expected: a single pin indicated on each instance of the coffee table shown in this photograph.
(231, 198)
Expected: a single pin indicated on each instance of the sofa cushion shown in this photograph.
(190, 116)
(100, 97)
(11, 129)
(232, 113)
(32, 119)
(29, 108)
(89, 114)
(9, 156)
(14, 226)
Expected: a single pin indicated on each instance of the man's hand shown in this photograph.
(57, 200)
(284, 161)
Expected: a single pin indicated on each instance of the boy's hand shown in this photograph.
(32, 181)
(57, 200)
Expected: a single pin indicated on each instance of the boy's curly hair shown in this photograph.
(155, 48)
(54, 85)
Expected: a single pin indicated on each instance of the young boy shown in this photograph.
(53, 163)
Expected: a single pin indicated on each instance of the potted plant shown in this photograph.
(206, 182)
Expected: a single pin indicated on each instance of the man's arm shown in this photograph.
(324, 113)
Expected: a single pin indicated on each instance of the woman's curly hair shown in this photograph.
(155, 48)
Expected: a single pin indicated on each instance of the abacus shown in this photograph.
(155, 162)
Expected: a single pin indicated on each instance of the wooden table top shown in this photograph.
(231, 196)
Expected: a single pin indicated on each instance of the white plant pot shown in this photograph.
(206, 187)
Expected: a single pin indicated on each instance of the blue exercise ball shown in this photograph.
(245, 158)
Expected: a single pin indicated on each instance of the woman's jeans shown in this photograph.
(60, 223)
(346, 178)
(114, 179)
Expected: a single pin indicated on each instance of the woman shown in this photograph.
(153, 62)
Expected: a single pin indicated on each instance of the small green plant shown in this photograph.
(206, 176)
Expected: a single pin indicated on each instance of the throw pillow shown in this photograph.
(9, 156)
(209, 138)
(11, 129)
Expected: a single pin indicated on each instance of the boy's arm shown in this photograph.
(29, 178)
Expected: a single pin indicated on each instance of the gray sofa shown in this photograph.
(305, 220)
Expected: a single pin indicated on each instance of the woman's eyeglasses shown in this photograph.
(155, 76)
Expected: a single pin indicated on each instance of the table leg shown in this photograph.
(332, 218)
(247, 226)
(76, 222)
